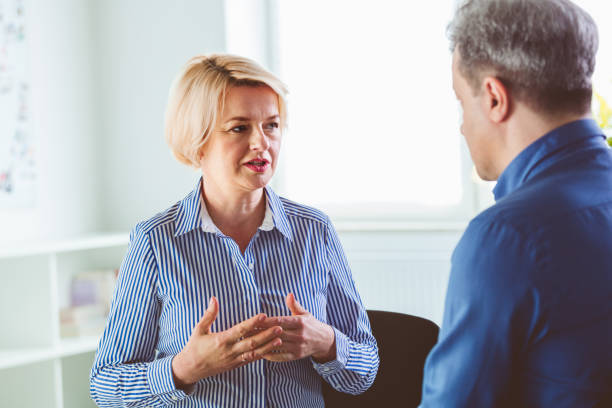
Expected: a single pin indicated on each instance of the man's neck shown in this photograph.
(526, 127)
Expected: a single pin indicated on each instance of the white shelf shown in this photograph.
(77, 345)
(68, 347)
(96, 241)
(37, 280)
(18, 357)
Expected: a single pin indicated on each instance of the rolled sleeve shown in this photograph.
(342, 355)
(161, 381)
(356, 363)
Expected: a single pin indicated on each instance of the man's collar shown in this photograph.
(192, 213)
(530, 161)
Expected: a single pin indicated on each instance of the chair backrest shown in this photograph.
(403, 344)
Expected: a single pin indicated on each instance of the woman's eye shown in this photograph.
(238, 129)
(273, 125)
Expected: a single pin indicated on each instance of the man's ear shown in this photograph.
(496, 99)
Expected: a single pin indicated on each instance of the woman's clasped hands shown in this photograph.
(277, 339)
(208, 353)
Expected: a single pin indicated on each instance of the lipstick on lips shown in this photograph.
(258, 165)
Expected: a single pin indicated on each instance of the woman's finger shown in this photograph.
(209, 316)
(259, 353)
(242, 329)
(279, 357)
(267, 348)
(286, 322)
(257, 341)
(266, 323)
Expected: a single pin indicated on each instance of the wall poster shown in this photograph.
(18, 167)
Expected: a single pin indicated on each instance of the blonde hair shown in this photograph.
(197, 96)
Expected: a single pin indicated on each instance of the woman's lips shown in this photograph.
(258, 166)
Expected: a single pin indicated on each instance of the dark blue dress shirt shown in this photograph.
(528, 312)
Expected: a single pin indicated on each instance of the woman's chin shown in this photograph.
(256, 182)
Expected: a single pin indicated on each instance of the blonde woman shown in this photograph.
(233, 296)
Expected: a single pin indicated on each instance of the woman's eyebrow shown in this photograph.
(237, 119)
(244, 118)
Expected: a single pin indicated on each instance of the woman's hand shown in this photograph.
(303, 336)
(207, 353)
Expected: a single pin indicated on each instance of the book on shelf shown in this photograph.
(90, 298)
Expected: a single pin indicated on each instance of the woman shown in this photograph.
(283, 311)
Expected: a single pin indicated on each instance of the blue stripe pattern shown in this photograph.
(174, 265)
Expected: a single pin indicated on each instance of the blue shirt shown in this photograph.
(178, 259)
(528, 312)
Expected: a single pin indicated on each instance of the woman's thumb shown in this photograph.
(209, 316)
(294, 306)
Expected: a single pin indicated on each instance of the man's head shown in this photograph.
(536, 55)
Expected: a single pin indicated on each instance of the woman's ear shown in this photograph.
(200, 156)
(496, 99)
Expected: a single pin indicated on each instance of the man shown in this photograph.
(528, 313)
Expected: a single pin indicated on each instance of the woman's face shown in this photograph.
(242, 150)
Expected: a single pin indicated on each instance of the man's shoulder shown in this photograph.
(541, 229)
(548, 200)
(513, 214)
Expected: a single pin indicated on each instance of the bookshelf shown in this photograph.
(38, 367)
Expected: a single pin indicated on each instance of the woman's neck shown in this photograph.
(237, 214)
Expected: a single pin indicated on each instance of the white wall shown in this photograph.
(402, 271)
(60, 36)
(100, 74)
(143, 44)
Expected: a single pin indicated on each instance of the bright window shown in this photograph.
(373, 124)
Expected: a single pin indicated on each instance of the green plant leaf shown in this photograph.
(604, 113)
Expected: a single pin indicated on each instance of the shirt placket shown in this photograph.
(250, 264)
(245, 265)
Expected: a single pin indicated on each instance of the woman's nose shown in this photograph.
(259, 139)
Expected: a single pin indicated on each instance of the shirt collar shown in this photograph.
(278, 214)
(192, 213)
(188, 213)
(533, 159)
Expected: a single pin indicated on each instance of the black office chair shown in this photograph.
(403, 344)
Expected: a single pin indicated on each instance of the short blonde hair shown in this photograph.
(198, 94)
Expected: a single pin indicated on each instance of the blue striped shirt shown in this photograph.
(178, 259)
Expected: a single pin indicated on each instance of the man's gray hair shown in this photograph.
(543, 50)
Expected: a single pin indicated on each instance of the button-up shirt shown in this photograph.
(178, 259)
(528, 312)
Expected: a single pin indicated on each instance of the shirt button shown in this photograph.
(326, 369)
(174, 398)
(251, 266)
